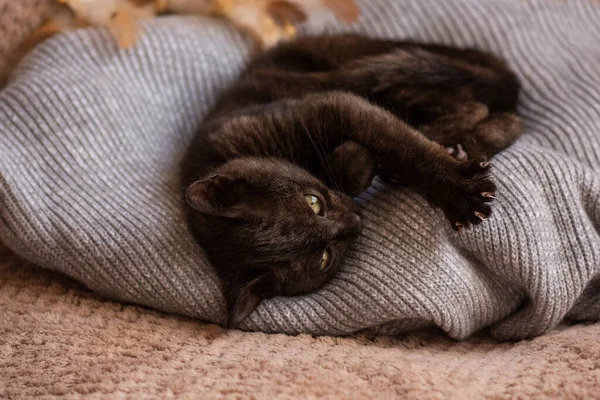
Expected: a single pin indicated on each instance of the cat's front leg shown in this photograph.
(304, 130)
(463, 196)
(462, 189)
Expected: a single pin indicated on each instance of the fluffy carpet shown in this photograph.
(58, 340)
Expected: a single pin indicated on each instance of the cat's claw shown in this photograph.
(465, 193)
(458, 152)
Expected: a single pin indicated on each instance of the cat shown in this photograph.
(269, 178)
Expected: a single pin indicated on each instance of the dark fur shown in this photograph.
(323, 116)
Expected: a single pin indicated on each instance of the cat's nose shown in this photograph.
(356, 221)
(352, 226)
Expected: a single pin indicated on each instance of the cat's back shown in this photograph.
(281, 72)
(319, 53)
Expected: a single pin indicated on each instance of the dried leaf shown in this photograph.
(346, 10)
(124, 28)
(286, 13)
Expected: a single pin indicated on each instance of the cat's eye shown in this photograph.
(325, 260)
(314, 202)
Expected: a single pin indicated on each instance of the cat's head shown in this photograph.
(270, 228)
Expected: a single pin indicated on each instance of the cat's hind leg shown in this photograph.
(484, 140)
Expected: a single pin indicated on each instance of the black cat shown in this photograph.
(271, 175)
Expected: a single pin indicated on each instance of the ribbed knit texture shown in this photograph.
(91, 138)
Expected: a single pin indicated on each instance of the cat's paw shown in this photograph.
(486, 139)
(467, 146)
(457, 152)
(464, 193)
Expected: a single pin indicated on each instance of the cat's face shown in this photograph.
(270, 228)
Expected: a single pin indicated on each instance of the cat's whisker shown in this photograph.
(322, 154)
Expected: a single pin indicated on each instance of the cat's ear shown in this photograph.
(243, 302)
(219, 194)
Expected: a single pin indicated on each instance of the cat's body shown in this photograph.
(271, 174)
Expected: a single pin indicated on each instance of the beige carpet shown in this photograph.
(58, 340)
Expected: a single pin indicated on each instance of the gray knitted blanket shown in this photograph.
(91, 138)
